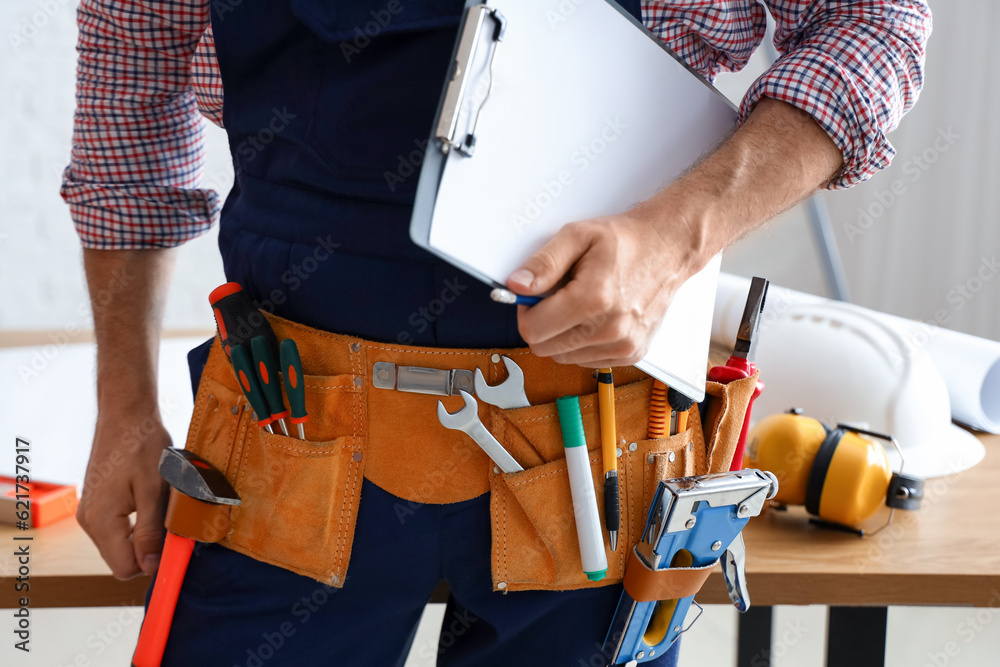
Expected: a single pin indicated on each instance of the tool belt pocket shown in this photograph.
(298, 498)
(535, 544)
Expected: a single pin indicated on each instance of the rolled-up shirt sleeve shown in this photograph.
(855, 66)
(138, 148)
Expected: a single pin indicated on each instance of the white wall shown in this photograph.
(912, 252)
(907, 260)
(40, 258)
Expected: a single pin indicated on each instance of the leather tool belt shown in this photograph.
(300, 497)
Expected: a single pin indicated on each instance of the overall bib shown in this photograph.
(328, 106)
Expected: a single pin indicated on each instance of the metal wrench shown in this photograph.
(507, 394)
(467, 421)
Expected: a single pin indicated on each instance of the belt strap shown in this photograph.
(646, 585)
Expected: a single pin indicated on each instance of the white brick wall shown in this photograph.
(906, 263)
(40, 257)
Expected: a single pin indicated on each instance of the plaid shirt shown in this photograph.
(146, 70)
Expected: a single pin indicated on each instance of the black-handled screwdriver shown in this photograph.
(267, 373)
(291, 366)
(245, 375)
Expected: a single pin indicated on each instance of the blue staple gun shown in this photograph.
(693, 522)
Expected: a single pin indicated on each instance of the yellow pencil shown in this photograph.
(609, 446)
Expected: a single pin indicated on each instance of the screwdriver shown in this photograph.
(243, 366)
(291, 364)
(238, 318)
(267, 373)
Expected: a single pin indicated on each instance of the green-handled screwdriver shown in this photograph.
(291, 367)
(243, 366)
(267, 373)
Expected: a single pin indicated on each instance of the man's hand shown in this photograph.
(624, 270)
(122, 478)
(127, 292)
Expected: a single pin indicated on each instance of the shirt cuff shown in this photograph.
(110, 217)
(813, 81)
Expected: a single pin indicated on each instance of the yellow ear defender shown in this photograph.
(840, 475)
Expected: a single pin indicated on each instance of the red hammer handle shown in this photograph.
(169, 577)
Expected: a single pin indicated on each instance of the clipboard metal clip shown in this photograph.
(475, 31)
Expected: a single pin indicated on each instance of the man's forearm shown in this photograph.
(776, 159)
(128, 290)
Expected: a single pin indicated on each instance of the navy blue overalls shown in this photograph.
(328, 106)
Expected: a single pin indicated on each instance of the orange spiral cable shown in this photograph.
(659, 411)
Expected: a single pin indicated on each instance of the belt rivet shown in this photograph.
(618, 451)
(246, 408)
(236, 410)
(383, 374)
(632, 446)
(355, 347)
(358, 382)
(502, 585)
(357, 456)
(496, 470)
(495, 358)
(671, 456)
(651, 459)
(253, 416)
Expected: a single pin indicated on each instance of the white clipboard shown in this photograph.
(556, 111)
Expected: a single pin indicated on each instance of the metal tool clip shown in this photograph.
(418, 380)
(463, 68)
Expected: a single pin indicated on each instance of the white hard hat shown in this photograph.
(838, 363)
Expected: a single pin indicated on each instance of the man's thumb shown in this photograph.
(543, 270)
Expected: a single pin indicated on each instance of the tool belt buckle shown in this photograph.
(419, 380)
(702, 516)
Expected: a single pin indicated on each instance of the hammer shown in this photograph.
(197, 510)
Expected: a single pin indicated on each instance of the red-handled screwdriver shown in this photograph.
(238, 319)
(291, 365)
(740, 364)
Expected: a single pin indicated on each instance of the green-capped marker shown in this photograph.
(243, 366)
(581, 486)
(267, 372)
(291, 367)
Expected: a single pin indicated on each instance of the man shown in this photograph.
(316, 118)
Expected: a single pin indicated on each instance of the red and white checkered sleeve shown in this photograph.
(138, 147)
(856, 66)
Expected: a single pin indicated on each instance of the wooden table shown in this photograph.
(945, 554)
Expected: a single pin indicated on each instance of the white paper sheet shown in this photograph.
(588, 116)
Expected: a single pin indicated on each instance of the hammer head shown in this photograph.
(195, 477)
